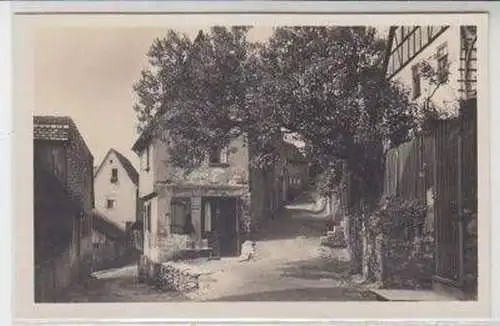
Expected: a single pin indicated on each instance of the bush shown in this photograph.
(399, 218)
(407, 252)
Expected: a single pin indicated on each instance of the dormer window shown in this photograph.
(219, 156)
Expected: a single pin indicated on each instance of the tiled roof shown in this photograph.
(52, 127)
(60, 128)
(127, 165)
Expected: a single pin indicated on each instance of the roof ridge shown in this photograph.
(126, 164)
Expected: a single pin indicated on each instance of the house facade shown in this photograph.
(449, 50)
(116, 184)
(297, 171)
(451, 172)
(212, 207)
(64, 200)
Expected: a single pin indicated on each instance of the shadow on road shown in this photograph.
(289, 225)
(295, 220)
(305, 294)
(123, 288)
(315, 269)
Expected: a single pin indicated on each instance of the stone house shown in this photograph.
(218, 203)
(116, 184)
(64, 199)
(451, 51)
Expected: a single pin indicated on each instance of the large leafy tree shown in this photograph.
(324, 83)
(195, 91)
(328, 84)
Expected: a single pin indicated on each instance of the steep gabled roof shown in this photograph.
(127, 165)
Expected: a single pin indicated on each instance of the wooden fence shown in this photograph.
(444, 164)
(409, 169)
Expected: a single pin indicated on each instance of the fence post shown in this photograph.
(460, 210)
(435, 139)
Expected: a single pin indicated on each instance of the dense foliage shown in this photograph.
(326, 84)
(402, 247)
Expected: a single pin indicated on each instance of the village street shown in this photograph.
(303, 163)
(289, 265)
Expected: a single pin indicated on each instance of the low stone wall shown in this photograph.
(396, 251)
(168, 276)
(176, 278)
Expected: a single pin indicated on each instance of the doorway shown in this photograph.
(220, 225)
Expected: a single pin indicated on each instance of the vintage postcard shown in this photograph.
(256, 166)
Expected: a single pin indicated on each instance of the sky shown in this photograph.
(88, 74)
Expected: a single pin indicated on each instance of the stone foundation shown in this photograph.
(168, 276)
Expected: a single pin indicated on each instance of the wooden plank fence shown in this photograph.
(445, 163)
(408, 169)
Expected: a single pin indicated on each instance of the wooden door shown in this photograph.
(223, 234)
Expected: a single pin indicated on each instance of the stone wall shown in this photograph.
(396, 252)
(167, 276)
(168, 246)
(80, 167)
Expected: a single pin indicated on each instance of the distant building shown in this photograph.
(64, 199)
(217, 202)
(297, 171)
(116, 184)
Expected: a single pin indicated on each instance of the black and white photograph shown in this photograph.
(256, 163)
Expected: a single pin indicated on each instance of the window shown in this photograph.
(110, 203)
(442, 63)
(147, 217)
(180, 219)
(145, 161)
(219, 156)
(415, 81)
(114, 175)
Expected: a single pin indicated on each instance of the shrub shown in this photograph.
(407, 251)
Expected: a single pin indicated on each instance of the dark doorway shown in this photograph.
(223, 231)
